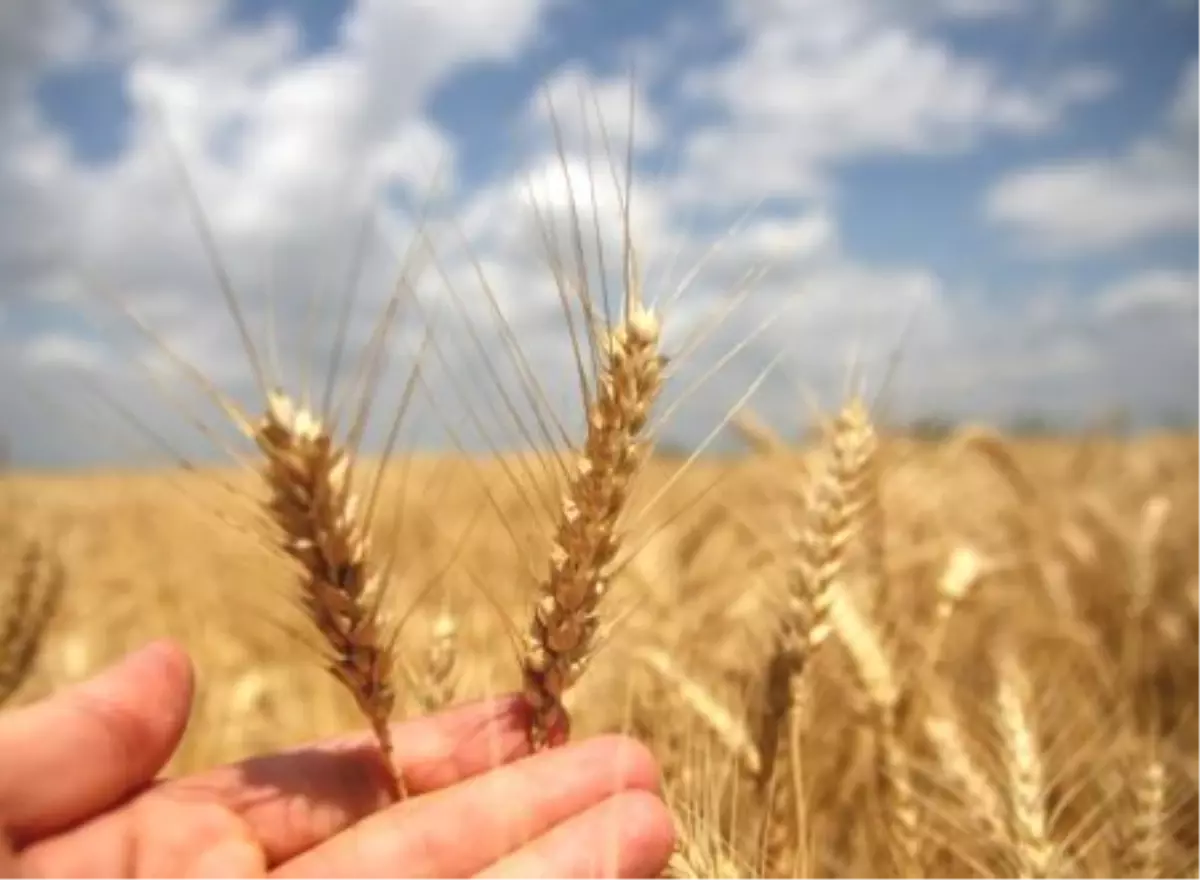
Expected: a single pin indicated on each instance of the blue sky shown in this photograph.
(1017, 178)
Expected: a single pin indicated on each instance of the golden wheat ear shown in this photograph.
(314, 503)
(324, 518)
(614, 335)
(585, 543)
(317, 514)
(30, 607)
(314, 517)
(615, 348)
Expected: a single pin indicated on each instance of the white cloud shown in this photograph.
(165, 26)
(40, 36)
(817, 84)
(406, 48)
(58, 350)
(1153, 290)
(796, 238)
(285, 149)
(1089, 204)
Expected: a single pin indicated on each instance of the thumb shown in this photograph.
(92, 745)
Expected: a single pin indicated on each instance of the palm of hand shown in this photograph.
(78, 795)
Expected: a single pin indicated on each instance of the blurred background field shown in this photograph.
(1084, 565)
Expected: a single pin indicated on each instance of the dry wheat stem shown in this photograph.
(701, 847)
(586, 542)
(314, 504)
(700, 852)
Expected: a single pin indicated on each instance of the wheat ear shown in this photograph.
(803, 625)
(729, 730)
(585, 543)
(439, 684)
(1147, 844)
(1026, 775)
(35, 597)
(978, 794)
(831, 519)
(314, 504)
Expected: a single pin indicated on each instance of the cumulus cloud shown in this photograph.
(163, 26)
(287, 151)
(1090, 204)
(290, 151)
(39, 36)
(818, 84)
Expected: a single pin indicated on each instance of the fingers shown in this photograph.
(293, 800)
(151, 839)
(284, 803)
(230, 858)
(94, 744)
(629, 835)
(9, 866)
(460, 830)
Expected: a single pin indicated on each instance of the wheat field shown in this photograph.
(1004, 685)
(862, 655)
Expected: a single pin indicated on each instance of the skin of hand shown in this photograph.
(80, 796)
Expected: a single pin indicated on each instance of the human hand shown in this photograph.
(78, 795)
